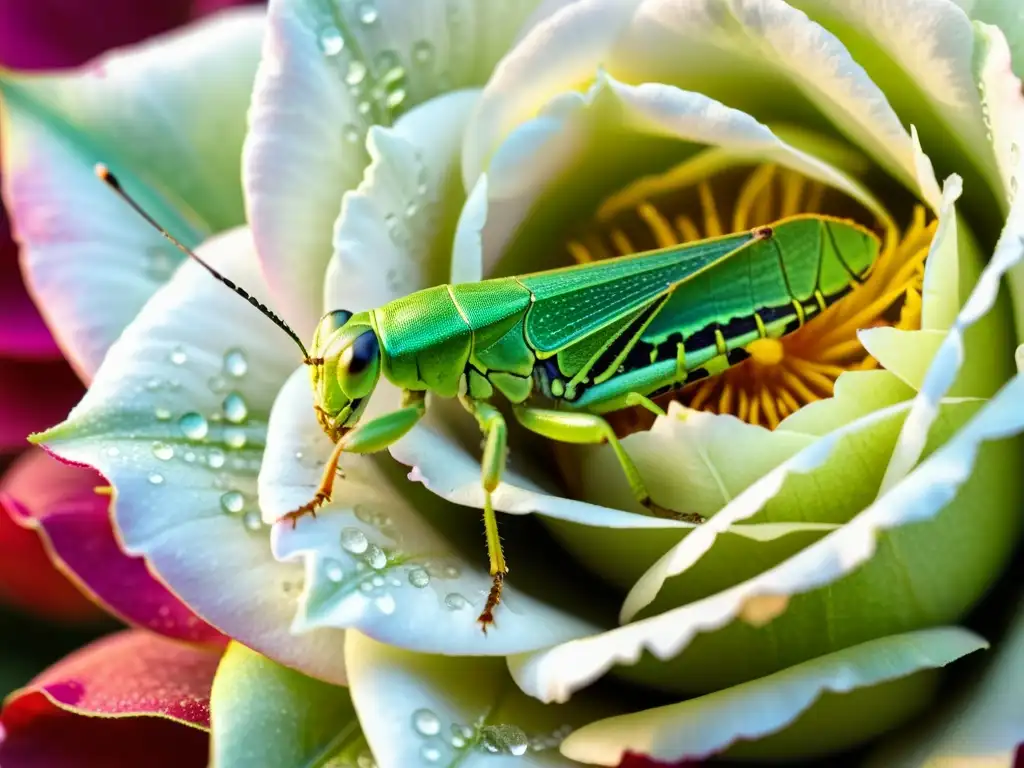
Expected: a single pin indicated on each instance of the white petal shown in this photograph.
(394, 234)
(760, 56)
(176, 418)
(978, 727)
(746, 713)
(168, 116)
(568, 145)
(1002, 102)
(377, 563)
(1009, 17)
(329, 71)
(422, 710)
(949, 359)
(554, 674)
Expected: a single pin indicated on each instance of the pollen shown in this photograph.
(780, 376)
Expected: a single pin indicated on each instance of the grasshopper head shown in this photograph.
(345, 366)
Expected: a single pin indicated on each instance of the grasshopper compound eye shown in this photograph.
(359, 365)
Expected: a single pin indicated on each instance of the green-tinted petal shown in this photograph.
(822, 705)
(1002, 102)
(1009, 17)
(264, 714)
(382, 561)
(394, 234)
(912, 571)
(418, 709)
(330, 70)
(979, 725)
(176, 419)
(168, 116)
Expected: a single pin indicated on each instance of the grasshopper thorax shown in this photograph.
(344, 368)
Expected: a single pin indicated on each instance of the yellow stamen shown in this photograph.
(766, 351)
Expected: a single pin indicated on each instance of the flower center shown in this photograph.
(780, 375)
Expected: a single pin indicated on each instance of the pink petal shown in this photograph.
(23, 334)
(132, 698)
(33, 397)
(59, 503)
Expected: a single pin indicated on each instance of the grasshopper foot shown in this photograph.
(486, 617)
(309, 508)
(671, 514)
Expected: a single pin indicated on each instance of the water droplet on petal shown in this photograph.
(162, 414)
(113, 451)
(395, 98)
(351, 133)
(422, 52)
(368, 13)
(216, 458)
(426, 722)
(356, 72)
(193, 426)
(235, 437)
(364, 107)
(331, 41)
(217, 384)
(252, 520)
(235, 409)
(163, 451)
(236, 363)
(430, 753)
(375, 557)
(419, 578)
(178, 356)
(333, 570)
(455, 601)
(156, 478)
(385, 604)
(232, 502)
(504, 738)
(353, 540)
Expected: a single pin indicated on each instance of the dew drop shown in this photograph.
(385, 604)
(351, 133)
(356, 72)
(377, 581)
(236, 363)
(155, 478)
(375, 557)
(162, 414)
(215, 458)
(429, 753)
(232, 502)
(368, 13)
(365, 760)
(331, 41)
(194, 426)
(411, 209)
(190, 457)
(153, 384)
(364, 107)
(426, 722)
(113, 451)
(353, 540)
(252, 520)
(504, 738)
(457, 741)
(217, 384)
(163, 451)
(422, 52)
(333, 570)
(366, 586)
(455, 601)
(1013, 185)
(419, 578)
(235, 409)
(178, 356)
(395, 98)
(235, 437)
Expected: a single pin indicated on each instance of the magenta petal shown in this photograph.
(60, 503)
(129, 699)
(23, 334)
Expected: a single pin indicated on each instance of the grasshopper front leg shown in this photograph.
(492, 424)
(369, 437)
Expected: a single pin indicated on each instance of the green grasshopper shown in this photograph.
(588, 339)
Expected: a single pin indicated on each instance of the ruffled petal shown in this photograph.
(394, 234)
(765, 58)
(266, 714)
(937, 484)
(168, 117)
(60, 503)
(176, 419)
(801, 712)
(327, 75)
(418, 708)
(127, 699)
(403, 569)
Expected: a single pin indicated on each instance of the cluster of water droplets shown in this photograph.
(363, 760)
(195, 428)
(440, 742)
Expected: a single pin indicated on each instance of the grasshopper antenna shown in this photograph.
(111, 181)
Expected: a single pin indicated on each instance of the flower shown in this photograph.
(858, 478)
